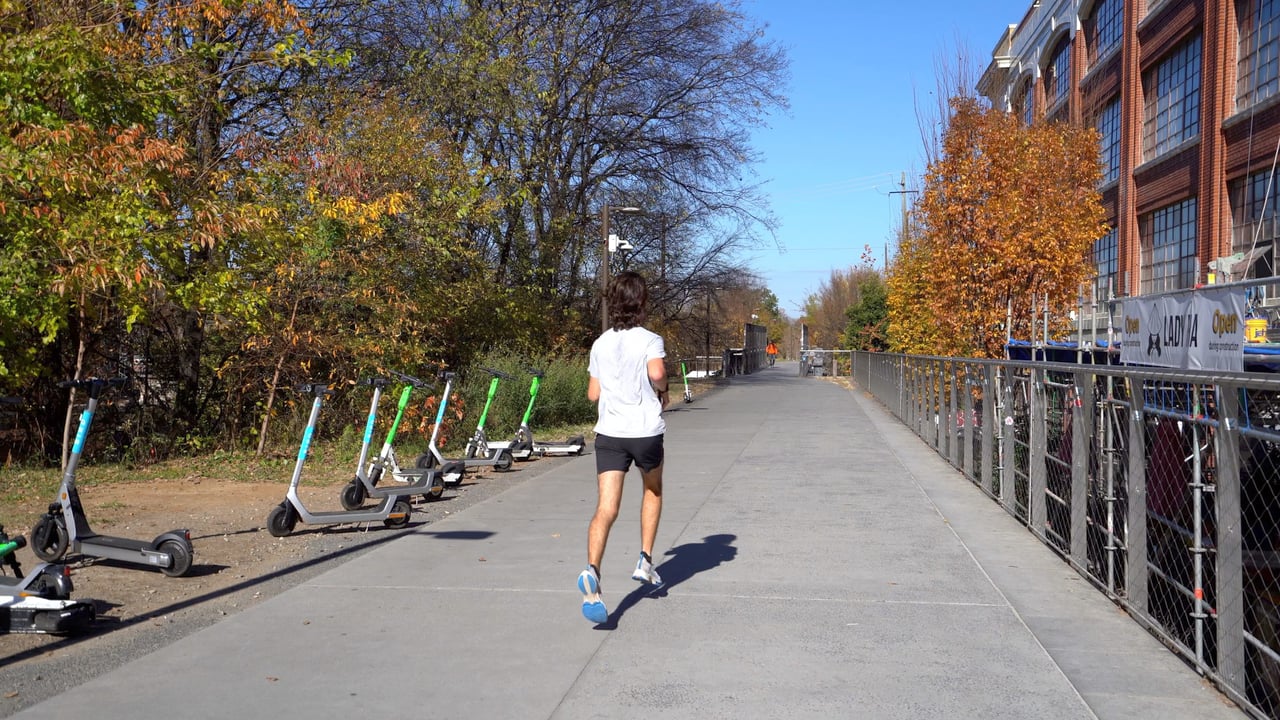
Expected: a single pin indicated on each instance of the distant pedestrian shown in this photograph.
(629, 386)
(772, 351)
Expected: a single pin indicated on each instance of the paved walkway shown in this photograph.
(821, 562)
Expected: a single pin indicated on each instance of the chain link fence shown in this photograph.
(1161, 488)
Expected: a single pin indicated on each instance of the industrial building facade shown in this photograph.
(1186, 97)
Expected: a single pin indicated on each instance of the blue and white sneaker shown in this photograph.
(593, 607)
(645, 572)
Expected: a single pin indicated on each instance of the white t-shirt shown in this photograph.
(628, 405)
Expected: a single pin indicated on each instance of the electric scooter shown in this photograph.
(478, 446)
(394, 511)
(433, 458)
(688, 394)
(524, 446)
(41, 601)
(64, 527)
(365, 483)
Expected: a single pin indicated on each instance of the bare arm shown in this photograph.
(593, 389)
(658, 379)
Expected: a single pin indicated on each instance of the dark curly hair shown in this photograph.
(627, 297)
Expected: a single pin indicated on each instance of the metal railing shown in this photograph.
(1162, 488)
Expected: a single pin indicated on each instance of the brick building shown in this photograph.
(1186, 96)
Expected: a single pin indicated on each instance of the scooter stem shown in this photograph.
(493, 390)
(533, 396)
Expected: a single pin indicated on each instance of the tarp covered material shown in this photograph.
(1258, 357)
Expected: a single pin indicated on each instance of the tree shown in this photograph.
(569, 106)
(827, 310)
(868, 318)
(1007, 217)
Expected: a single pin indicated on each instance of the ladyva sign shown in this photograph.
(1195, 330)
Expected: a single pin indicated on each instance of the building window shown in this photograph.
(1108, 124)
(1254, 226)
(1058, 74)
(1103, 29)
(1172, 92)
(1169, 259)
(1024, 101)
(1105, 261)
(1258, 51)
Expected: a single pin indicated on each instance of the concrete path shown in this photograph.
(821, 562)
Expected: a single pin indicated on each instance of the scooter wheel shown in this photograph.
(49, 539)
(503, 461)
(352, 495)
(179, 557)
(400, 513)
(436, 490)
(425, 461)
(282, 519)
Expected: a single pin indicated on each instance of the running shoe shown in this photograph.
(645, 572)
(592, 606)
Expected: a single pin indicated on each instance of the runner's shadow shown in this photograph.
(682, 563)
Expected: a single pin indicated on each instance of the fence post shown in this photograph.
(953, 408)
(970, 426)
(1230, 574)
(989, 421)
(1136, 574)
(1036, 470)
(1008, 467)
(1082, 424)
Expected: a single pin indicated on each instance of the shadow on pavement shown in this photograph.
(682, 563)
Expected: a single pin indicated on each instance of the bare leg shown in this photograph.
(609, 499)
(650, 509)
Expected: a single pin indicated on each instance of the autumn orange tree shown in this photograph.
(1007, 216)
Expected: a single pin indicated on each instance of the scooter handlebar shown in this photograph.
(416, 382)
(12, 545)
(379, 382)
(314, 388)
(95, 383)
(533, 371)
(497, 373)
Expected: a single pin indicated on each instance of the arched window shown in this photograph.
(1024, 101)
(1057, 79)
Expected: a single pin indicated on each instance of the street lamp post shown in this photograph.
(710, 292)
(604, 261)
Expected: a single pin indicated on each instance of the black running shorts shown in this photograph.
(618, 453)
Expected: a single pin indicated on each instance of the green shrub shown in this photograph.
(562, 396)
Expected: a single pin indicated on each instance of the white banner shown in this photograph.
(1195, 330)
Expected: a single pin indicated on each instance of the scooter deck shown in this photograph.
(38, 615)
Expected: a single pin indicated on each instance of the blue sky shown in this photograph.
(831, 161)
